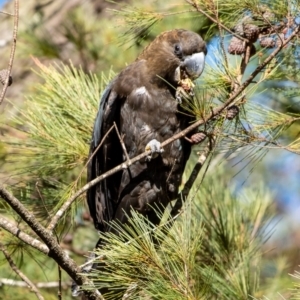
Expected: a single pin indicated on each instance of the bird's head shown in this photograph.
(174, 54)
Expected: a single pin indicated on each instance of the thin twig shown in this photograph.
(172, 169)
(55, 251)
(202, 157)
(121, 141)
(42, 198)
(196, 6)
(221, 35)
(216, 111)
(13, 49)
(24, 237)
(19, 273)
(59, 293)
(39, 285)
(89, 159)
(66, 205)
(6, 13)
(245, 60)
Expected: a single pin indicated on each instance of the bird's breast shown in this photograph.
(150, 113)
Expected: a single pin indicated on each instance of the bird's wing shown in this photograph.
(101, 197)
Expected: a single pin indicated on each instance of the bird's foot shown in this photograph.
(75, 289)
(154, 147)
(197, 138)
(232, 112)
(86, 268)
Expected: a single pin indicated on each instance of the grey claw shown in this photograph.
(86, 268)
(232, 112)
(198, 137)
(75, 290)
(179, 99)
(154, 147)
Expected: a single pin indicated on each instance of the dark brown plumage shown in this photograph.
(141, 101)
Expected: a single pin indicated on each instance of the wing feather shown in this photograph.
(102, 197)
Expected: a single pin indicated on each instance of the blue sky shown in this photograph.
(282, 168)
(2, 2)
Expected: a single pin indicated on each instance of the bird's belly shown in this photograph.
(138, 132)
(164, 173)
(154, 116)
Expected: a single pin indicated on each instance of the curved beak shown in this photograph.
(194, 64)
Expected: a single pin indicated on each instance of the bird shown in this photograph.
(139, 109)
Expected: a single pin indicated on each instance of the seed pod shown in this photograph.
(232, 112)
(236, 46)
(251, 32)
(267, 42)
(3, 75)
(198, 137)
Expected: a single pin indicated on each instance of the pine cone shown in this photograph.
(251, 32)
(3, 74)
(198, 137)
(267, 42)
(236, 46)
(232, 112)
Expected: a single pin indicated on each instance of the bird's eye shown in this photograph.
(178, 50)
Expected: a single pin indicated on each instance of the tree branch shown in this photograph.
(12, 51)
(55, 251)
(121, 141)
(216, 111)
(202, 157)
(53, 248)
(216, 21)
(24, 237)
(40, 285)
(19, 273)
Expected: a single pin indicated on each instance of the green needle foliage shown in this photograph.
(58, 118)
(56, 124)
(212, 251)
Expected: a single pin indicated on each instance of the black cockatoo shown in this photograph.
(142, 101)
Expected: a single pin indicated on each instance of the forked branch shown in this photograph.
(214, 113)
(19, 273)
